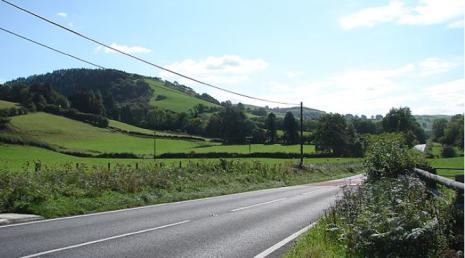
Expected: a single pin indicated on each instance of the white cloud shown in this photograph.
(436, 65)
(226, 69)
(62, 14)
(124, 48)
(294, 74)
(444, 98)
(375, 91)
(424, 12)
(371, 16)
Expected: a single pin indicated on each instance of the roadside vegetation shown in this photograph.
(68, 190)
(393, 214)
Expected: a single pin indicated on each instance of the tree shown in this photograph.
(453, 134)
(402, 120)
(439, 126)
(3, 122)
(290, 128)
(330, 134)
(364, 126)
(270, 125)
(214, 126)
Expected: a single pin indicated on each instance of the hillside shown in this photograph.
(77, 136)
(7, 104)
(172, 99)
(308, 113)
(426, 121)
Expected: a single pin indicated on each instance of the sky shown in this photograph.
(358, 57)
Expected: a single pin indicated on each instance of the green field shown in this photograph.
(78, 136)
(456, 162)
(7, 104)
(131, 128)
(175, 100)
(17, 157)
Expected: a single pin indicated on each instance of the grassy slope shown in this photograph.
(7, 104)
(131, 128)
(16, 157)
(76, 135)
(175, 100)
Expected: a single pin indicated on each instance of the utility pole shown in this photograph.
(154, 146)
(249, 140)
(301, 135)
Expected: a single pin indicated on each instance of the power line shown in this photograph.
(143, 60)
(51, 48)
(73, 56)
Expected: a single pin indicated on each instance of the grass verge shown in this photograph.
(67, 190)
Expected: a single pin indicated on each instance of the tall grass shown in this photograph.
(67, 190)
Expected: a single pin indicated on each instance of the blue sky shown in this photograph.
(359, 57)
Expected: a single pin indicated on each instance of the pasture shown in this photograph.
(18, 157)
(174, 100)
(78, 136)
(7, 104)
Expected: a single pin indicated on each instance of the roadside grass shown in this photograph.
(19, 157)
(78, 136)
(7, 104)
(67, 190)
(175, 100)
(317, 243)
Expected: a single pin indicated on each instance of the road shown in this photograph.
(236, 225)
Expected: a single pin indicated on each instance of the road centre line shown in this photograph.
(258, 204)
(105, 239)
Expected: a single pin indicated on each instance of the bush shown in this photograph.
(3, 122)
(448, 151)
(393, 217)
(93, 119)
(387, 156)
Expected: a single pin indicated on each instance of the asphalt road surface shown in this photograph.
(237, 225)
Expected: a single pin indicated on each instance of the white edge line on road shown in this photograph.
(258, 204)
(105, 239)
(146, 206)
(160, 204)
(283, 242)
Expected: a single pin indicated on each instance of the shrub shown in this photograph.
(3, 122)
(387, 156)
(448, 151)
(393, 217)
(93, 119)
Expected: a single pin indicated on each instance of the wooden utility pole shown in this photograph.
(301, 135)
(154, 146)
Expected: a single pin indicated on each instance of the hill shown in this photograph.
(308, 113)
(75, 136)
(172, 99)
(118, 88)
(426, 121)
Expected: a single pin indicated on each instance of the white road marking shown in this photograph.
(149, 206)
(162, 204)
(283, 242)
(105, 239)
(258, 204)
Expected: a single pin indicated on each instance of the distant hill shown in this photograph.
(426, 121)
(120, 88)
(308, 113)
